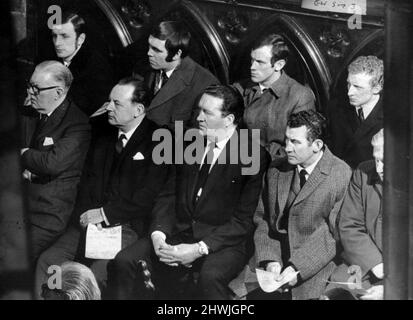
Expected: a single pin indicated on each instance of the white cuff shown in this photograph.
(159, 233)
(204, 247)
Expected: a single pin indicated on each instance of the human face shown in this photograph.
(65, 40)
(121, 110)
(360, 90)
(378, 158)
(299, 150)
(210, 118)
(262, 71)
(157, 54)
(44, 100)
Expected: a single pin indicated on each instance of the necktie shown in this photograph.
(203, 173)
(302, 178)
(161, 79)
(119, 143)
(360, 115)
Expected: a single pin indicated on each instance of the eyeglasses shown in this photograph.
(36, 90)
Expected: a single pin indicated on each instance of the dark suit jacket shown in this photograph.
(177, 98)
(125, 187)
(92, 79)
(311, 221)
(223, 214)
(349, 140)
(56, 157)
(360, 222)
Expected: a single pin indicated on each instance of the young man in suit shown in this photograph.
(270, 95)
(353, 122)
(360, 224)
(296, 215)
(120, 181)
(90, 68)
(56, 137)
(176, 81)
(205, 223)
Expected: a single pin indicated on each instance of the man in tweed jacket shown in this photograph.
(296, 214)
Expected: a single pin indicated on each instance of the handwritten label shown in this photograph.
(339, 6)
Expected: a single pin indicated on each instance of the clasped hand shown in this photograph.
(93, 216)
(182, 254)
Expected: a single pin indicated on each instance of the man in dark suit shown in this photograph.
(176, 80)
(91, 70)
(300, 202)
(360, 224)
(270, 95)
(56, 137)
(205, 224)
(120, 181)
(353, 122)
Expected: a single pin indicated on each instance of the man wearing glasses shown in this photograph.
(56, 137)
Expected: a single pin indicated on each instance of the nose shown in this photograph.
(150, 54)
(253, 65)
(288, 147)
(200, 116)
(350, 91)
(109, 106)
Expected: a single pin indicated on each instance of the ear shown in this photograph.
(279, 65)
(59, 92)
(81, 39)
(140, 109)
(317, 144)
(177, 55)
(377, 89)
(229, 120)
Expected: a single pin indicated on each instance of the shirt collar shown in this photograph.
(221, 144)
(312, 166)
(128, 134)
(168, 73)
(368, 107)
(68, 61)
(278, 86)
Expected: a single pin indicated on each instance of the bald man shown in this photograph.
(56, 137)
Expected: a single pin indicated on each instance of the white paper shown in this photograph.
(267, 280)
(103, 244)
(339, 6)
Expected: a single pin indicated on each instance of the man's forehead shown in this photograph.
(157, 43)
(297, 133)
(360, 78)
(262, 52)
(63, 28)
(121, 92)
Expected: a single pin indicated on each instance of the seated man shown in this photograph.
(120, 181)
(56, 137)
(206, 222)
(270, 95)
(360, 224)
(355, 120)
(296, 217)
(90, 68)
(176, 81)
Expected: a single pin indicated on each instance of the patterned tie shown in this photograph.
(203, 173)
(161, 79)
(119, 143)
(302, 178)
(360, 115)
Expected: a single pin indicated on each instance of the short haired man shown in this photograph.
(297, 214)
(360, 223)
(354, 122)
(120, 181)
(90, 68)
(56, 137)
(270, 95)
(176, 81)
(205, 223)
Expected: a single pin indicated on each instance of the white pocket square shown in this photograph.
(138, 156)
(48, 141)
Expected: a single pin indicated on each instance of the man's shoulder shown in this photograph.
(339, 168)
(74, 113)
(199, 72)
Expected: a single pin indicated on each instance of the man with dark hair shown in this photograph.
(206, 221)
(296, 215)
(270, 95)
(56, 137)
(91, 70)
(353, 122)
(120, 181)
(176, 80)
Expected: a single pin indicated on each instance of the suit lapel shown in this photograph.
(375, 116)
(283, 182)
(319, 173)
(52, 122)
(178, 81)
